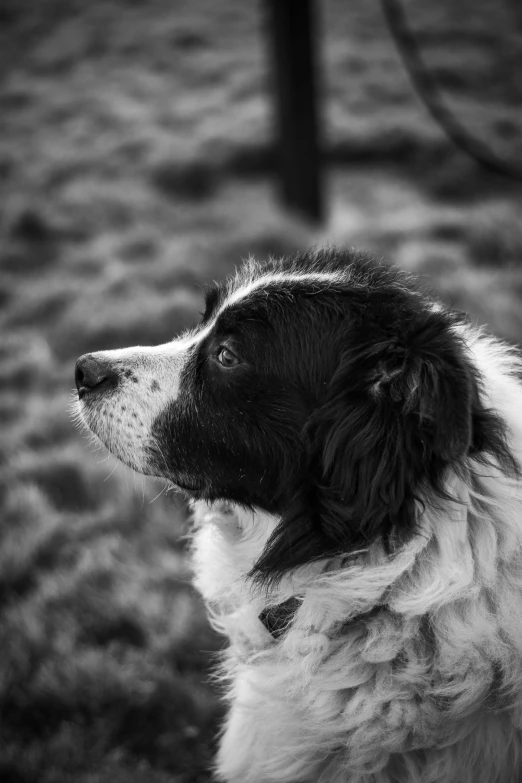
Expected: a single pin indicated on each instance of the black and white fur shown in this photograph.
(353, 451)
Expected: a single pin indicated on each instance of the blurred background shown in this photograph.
(137, 161)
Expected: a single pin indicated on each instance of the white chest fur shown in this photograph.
(353, 695)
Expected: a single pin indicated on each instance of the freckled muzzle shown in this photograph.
(122, 392)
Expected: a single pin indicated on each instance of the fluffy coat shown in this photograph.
(353, 451)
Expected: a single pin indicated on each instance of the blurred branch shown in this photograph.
(428, 90)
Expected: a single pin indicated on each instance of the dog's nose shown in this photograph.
(94, 372)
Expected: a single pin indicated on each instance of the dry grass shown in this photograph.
(134, 159)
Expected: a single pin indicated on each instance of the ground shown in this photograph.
(136, 163)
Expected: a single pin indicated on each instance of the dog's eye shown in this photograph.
(226, 358)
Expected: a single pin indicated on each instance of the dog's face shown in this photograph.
(220, 410)
(321, 389)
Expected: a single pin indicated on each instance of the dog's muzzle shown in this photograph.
(121, 392)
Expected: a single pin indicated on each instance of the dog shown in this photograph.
(352, 451)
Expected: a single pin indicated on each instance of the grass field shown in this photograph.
(135, 164)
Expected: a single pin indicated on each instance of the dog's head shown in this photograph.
(323, 389)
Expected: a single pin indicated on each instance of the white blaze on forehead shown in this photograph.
(244, 291)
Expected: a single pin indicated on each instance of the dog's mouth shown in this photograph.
(88, 393)
(194, 488)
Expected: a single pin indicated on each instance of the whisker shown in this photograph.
(164, 489)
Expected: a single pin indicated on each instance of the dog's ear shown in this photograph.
(396, 412)
(399, 410)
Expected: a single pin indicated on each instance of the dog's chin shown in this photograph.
(136, 459)
(127, 453)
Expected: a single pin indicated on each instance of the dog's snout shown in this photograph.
(94, 372)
